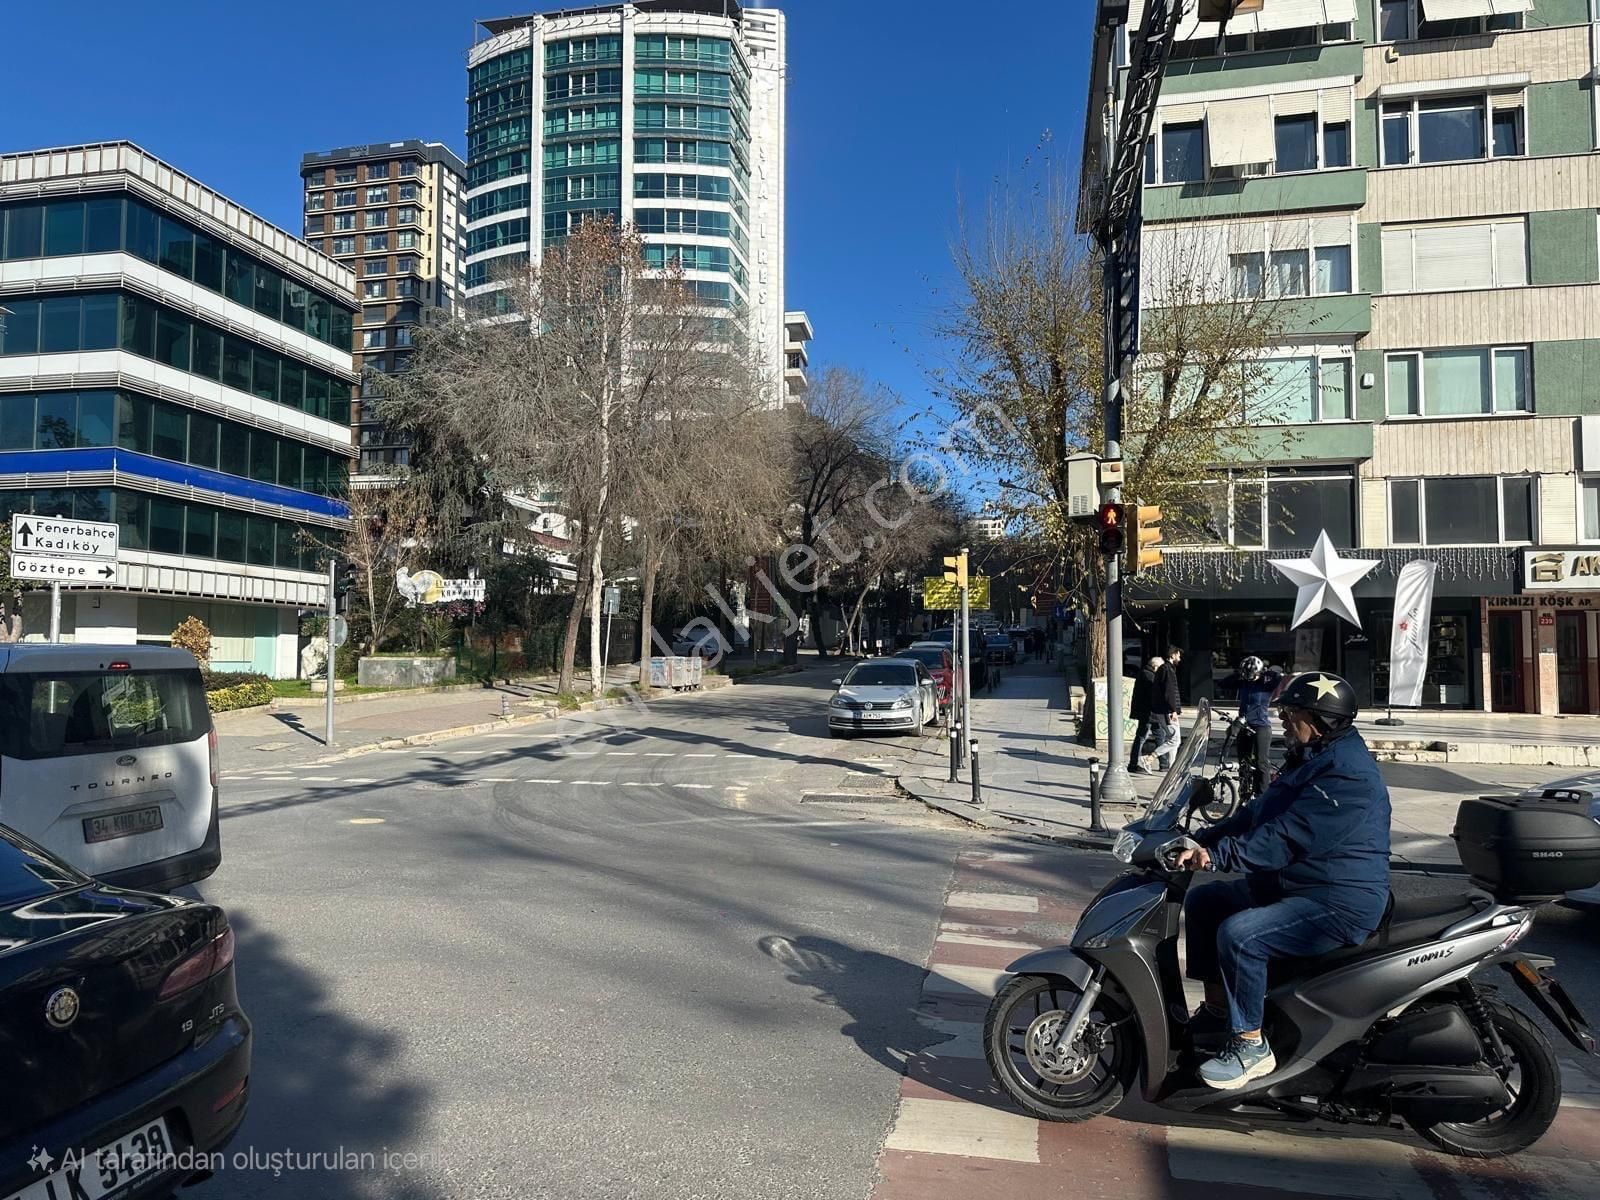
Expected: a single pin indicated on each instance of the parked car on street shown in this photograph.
(707, 643)
(108, 759)
(883, 694)
(938, 661)
(999, 649)
(127, 1055)
(980, 665)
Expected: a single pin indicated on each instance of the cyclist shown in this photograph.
(1256, 685)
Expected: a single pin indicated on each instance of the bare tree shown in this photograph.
(1025, 374)
(896, 529)
(562, 386)
(842, 450)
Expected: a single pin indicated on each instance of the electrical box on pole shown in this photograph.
(1083, 486)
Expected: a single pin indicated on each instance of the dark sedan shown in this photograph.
(127, 1058)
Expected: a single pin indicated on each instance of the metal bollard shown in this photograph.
(505, 706)
(1096, 824)
(977, 786)
(955, 744)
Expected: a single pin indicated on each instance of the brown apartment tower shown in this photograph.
(392, 212)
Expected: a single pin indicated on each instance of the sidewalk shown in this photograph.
(1036, 777)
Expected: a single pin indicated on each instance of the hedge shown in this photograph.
(215, 681)
(244, 695)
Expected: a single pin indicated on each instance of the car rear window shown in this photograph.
(66, 713)
(931, 658)
(881, 675)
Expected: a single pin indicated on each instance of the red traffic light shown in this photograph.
(1110, 517)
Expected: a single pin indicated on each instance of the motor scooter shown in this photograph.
(1395, 1028)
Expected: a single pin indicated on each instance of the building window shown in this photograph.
(409, 169)
(376, 266)
(344, 175)
(377, 170)
(1296, 142)
(1282, 509)
(1183, 153)
(408, 191)
(342, 221)
(408, 216)
(1336, 144)
(406, 239)
(402, 337)
(404, 265)
(1461, 510)
(406, 288)
(376, 315)
(377, 218)
(1296, 258)
(316, 201)
(1299, 391)
(1403, 20)
(1459, 383)
(1452, 129)
(374, 289)
(378, 195)
(314, 225)
(343, 245)
(344, 199)
(375, 242)
(1589, 494)
(372, 339)
(1444, 257)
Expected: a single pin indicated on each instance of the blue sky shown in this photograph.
(895, 109)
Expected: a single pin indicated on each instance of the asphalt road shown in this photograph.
(599, 959)
(563, 964)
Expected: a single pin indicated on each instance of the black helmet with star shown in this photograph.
(1322, 693)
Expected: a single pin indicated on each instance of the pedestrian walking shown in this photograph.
(1166, 707)
(1139, 709)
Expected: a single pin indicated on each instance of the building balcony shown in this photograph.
(1266, 195)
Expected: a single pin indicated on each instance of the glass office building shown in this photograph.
(172, 363)
(667, 115)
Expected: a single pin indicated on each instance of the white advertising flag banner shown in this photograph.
(1408, 647)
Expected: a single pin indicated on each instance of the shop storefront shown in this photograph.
(1541, 649)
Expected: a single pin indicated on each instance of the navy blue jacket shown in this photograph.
(1255, 697)
(1320, 830)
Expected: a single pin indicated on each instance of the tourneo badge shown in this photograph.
(62, 1008)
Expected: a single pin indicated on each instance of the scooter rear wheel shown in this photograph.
(1534, 1076)
(1018, 1040)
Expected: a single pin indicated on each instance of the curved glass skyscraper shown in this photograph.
(666, 114)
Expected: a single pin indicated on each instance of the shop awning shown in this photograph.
(1240, 132)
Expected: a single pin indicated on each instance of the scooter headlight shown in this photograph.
(1127, 843)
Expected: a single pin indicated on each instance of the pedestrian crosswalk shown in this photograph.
(955, 1134)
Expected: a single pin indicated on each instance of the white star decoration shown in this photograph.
(1324, 581)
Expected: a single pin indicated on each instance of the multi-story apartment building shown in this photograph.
(1415, 183)
(668, 115)
(391, 211)
(171, 362)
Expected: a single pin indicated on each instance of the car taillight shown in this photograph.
(215, 956)
(211, 752)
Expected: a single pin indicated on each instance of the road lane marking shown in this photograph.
(699, 787)
(365, 821)
(993, 901)
(320, 778)
(541, 781)
(950, 979)
(621, 753)
(580, 753)
(973, 939)
(959, 1127)
(638, 785)
(587, 783)
(361, 780)
(496, 778)
(699, 755)
(661, 754)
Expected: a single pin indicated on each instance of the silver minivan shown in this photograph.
(108, 759)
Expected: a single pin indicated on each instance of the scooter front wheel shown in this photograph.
(1086, 1080)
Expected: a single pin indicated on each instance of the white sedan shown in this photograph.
(884, 694)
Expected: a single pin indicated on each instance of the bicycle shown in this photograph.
(1233, 783)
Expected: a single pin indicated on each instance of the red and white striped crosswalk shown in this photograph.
(956, 1134)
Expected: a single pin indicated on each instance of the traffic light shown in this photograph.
(1109, 519)
(1143, 525)
(955, 569)
(344, 578)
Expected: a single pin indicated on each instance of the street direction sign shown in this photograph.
(942, 593)
(62, 537)
(61, 570)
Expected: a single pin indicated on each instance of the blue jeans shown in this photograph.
(1231, 933)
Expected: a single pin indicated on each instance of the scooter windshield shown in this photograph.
(1172, 796)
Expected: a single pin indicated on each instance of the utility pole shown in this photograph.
(55, 610)
(333, 652)
(1125, 131)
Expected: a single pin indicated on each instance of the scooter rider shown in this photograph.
(1314, 852)
(1256, 685)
